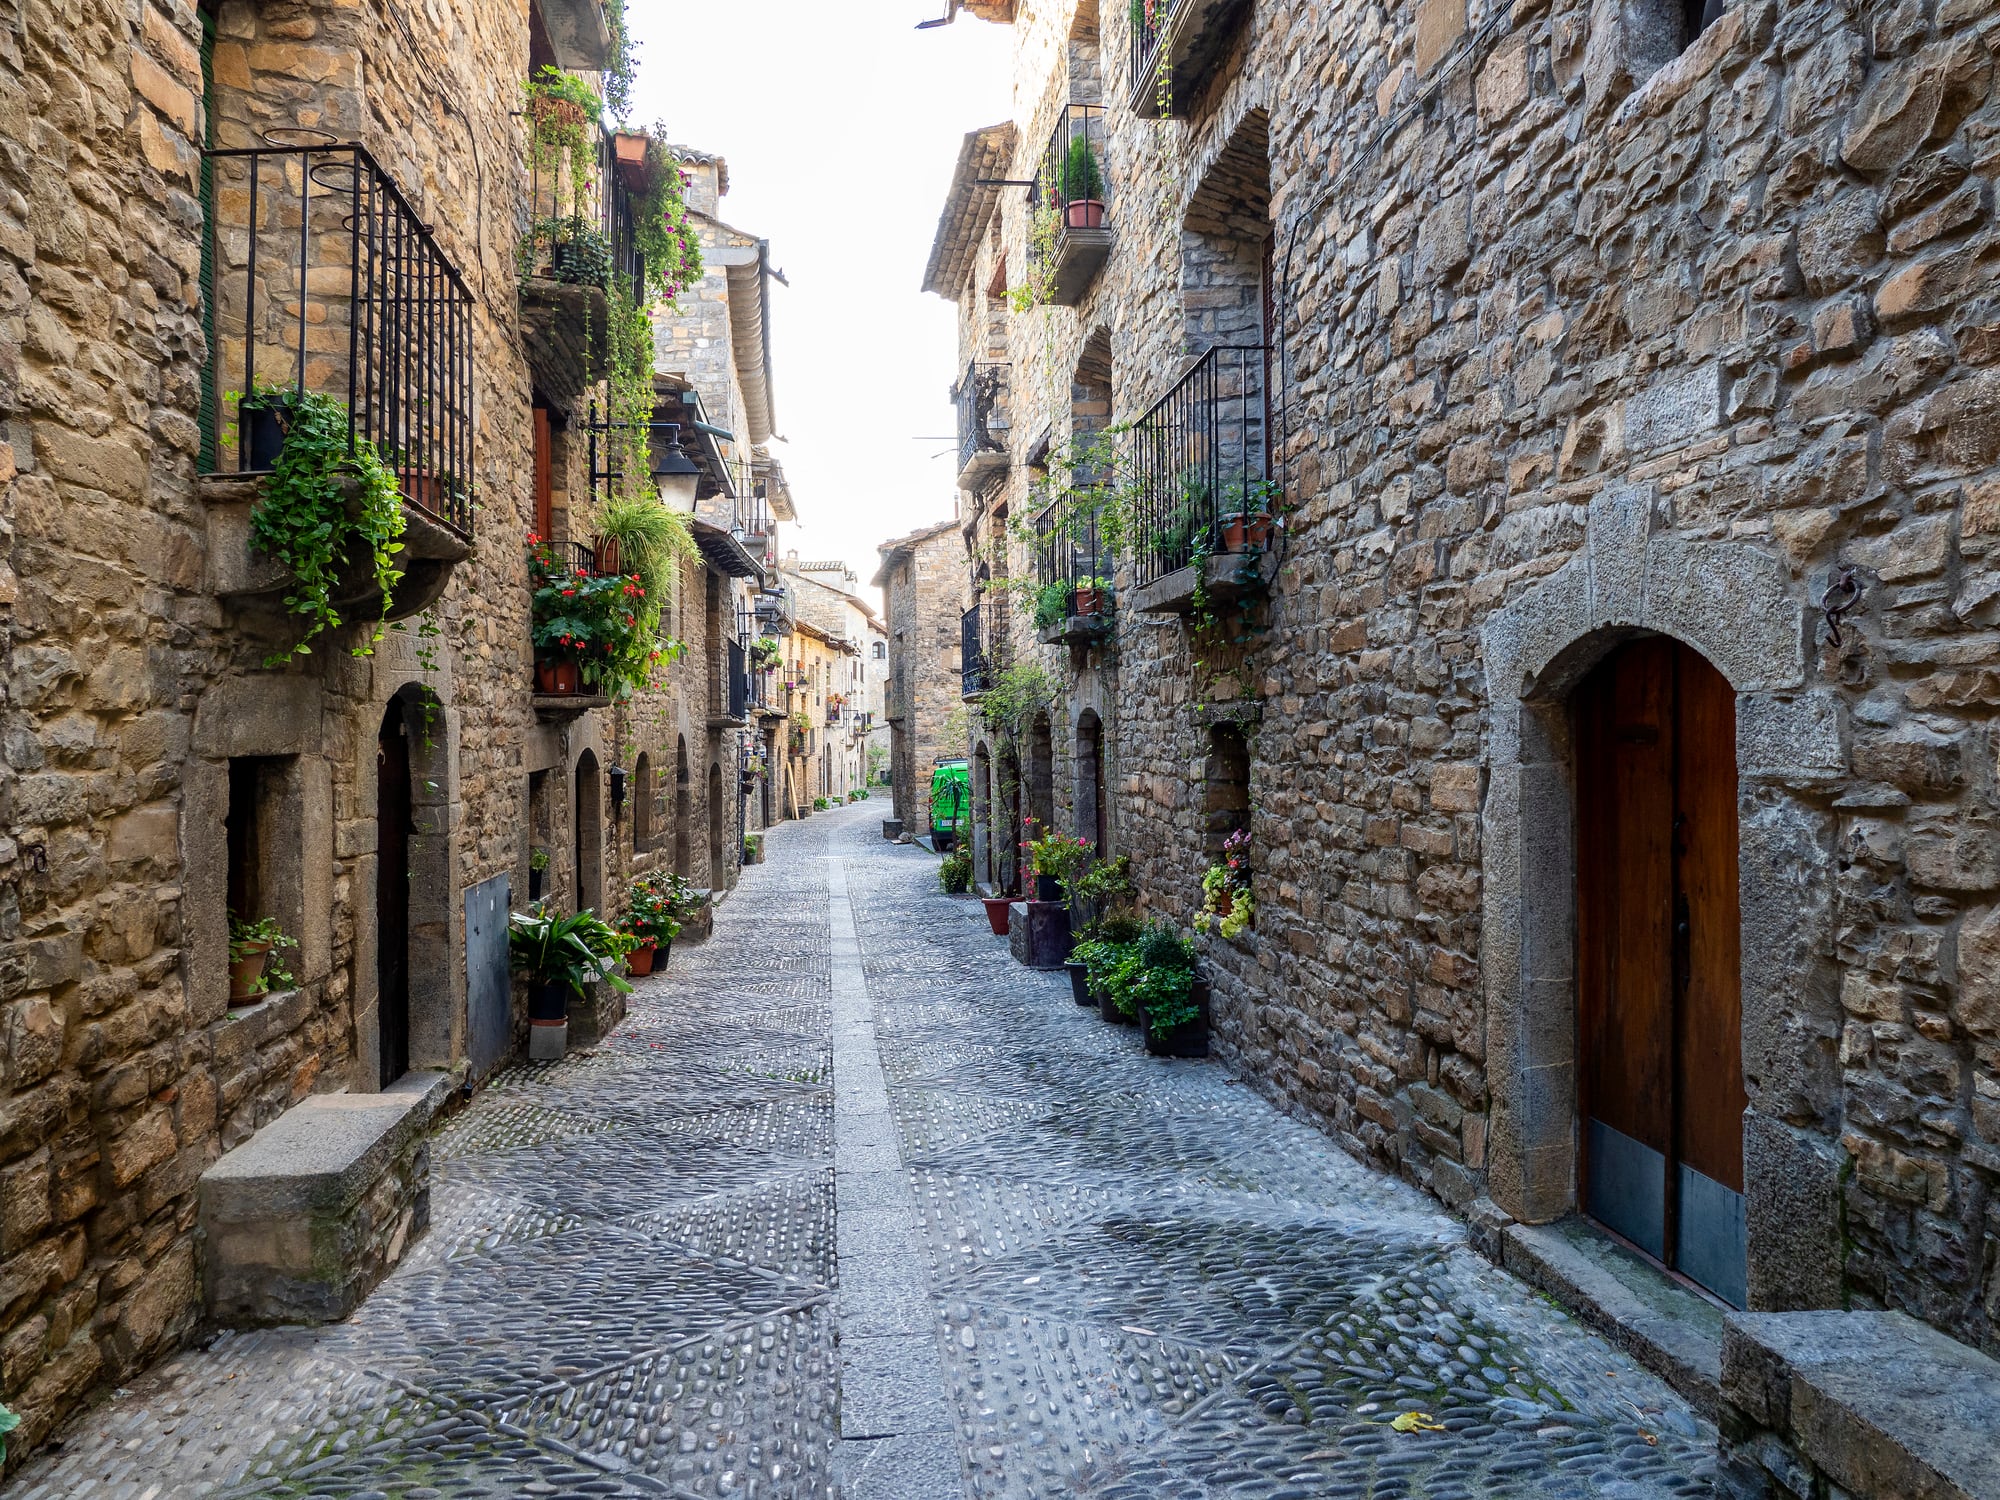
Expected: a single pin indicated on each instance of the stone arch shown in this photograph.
(1008, 792)
(1040, 789)
(1090, 801)
(1734, 605)
(643, 793)
(718, 831)
(588, 804)
(1225, 237)
(982, 814)
(683, 812)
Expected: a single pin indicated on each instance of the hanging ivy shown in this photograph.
(663, 231)
(305, 522)
(623, 66)
(563, 117)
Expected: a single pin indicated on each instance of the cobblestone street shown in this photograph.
(871, 1180)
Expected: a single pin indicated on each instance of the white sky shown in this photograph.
(841, 124)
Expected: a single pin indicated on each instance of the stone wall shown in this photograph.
(922, 582)
(131, 685)
(1579, 338)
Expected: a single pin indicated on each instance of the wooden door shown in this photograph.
(1659, 1005)
(392, 894)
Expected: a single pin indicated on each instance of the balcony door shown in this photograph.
(1660, 1083)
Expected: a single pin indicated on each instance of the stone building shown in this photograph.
(846, 622)
(922, 579)
(1551, 494)
(211, 202)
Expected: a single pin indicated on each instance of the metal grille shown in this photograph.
(332, 283)
(1070, 182)
(972, 653)
(739, 680)
(1198, 455)
(582, 236)
(1151, 20)
(981, 399)
(1068, 544)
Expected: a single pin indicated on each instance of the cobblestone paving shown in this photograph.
(1144, 1281)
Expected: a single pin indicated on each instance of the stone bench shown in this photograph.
(1872, 1405)
(304, 1218)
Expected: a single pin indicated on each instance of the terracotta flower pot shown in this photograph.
(1089, 601)
(996, 913)
(631, 150)
(247, 971)
(1241, 533)
(556, 679)
(640, 960)
(1086, 213)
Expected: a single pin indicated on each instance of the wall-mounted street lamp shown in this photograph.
(675, 475)
(617, 792)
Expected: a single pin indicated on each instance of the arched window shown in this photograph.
(642, 804)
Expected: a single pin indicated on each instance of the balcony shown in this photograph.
(776, 609)
(571, 246)
(729, 705)
(975, 670)
(558, 696)
(1176, 46)
(1072, 231)
(1073, 568)
(1202, 495)
(327, 282)
(981, 399)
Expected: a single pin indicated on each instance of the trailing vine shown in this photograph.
(563, 115)
(304, 520)
(663, 232)
(623, 65)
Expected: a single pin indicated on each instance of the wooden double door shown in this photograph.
(1660, 1076)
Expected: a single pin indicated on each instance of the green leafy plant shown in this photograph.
(579, 254)
(766, 654)
(1017, 695)
(603, 622)
(564, 114)
(1108, 887)
(653, 911)
(663, 230)
(1162, 989)
(1081, 178)
(247, 939)
(1057, 855)
(651, 541)
(1049, 604)
(304, 520)
(538, 859)
(8, 1422)
(955, 872)
(573, 952)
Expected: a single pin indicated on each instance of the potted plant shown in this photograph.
(254, 965)
(262, 418)
(1110, 959)
(1168, 994)
(1048, 604)
(1056, 859)
(996, 913)
(955, 872)
(1091, 595)
(765, 654)
(1246, 531)
(605, 625)
(1083, 184)
(561, 957)
(1100, 892)
(1226, 897)
(652, 921)
(538, 866)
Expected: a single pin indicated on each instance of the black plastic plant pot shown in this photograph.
(259, 432)
(1048, 888)
(1108, 1008)
(1079, 984)
(534, 885)
(1190, 1040)
(549, 1002)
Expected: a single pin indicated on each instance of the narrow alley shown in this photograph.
(866, 1208)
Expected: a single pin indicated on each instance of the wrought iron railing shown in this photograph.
(981, 399)
(973, 672)
(1151, 20)
(582, 234)
(1199, 455)
(739, 681)
(1070, 182)
(326, 280)
(1069, 546)
(749, 485)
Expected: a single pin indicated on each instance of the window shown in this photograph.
(881, 650)
(262, 834)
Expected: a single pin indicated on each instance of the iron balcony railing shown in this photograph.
(973, 671)
(739, 681)
(1199, 456)
(1070, 182)
(981, 399)
(1151, 21)
(1069, 546)
(749, 485)
(582, 234)
(322, 278)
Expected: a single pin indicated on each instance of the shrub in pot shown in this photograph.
(652, 920)
(955, 872)
(1083, 184)
(1057, 859)
(1163, 991)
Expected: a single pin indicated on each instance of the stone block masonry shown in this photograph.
(1583, 330)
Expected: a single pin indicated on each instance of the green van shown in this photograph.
(951, 803)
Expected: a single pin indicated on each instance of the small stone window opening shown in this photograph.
(1225, 786)
(262, 830)
(1696, 17)
(643, 793)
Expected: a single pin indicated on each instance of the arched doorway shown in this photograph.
(1042, 774)
(1007, 825)
(1090, 821)
(643, 793)
(589, 804)
(1660, 1089)
(394, 817)
(982, 817)
(718, 831)
(683, 812)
